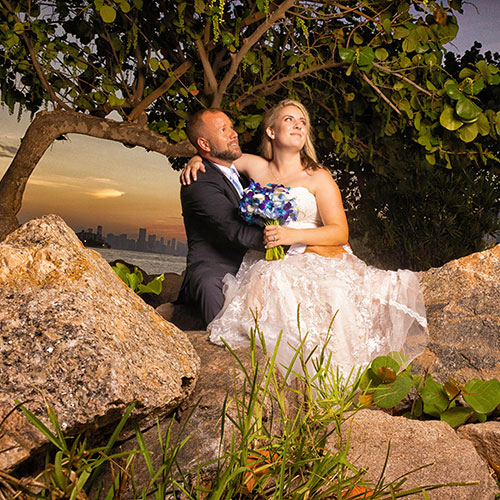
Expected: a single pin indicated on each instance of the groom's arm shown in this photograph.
(206, 201)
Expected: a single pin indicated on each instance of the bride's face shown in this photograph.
(290, 128)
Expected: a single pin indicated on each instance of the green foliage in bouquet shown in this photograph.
(387, 386)
(135, 280)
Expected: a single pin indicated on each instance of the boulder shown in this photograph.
(486, 439)
(199, 416)
(414, 444)
(74, 337)
(462, 300)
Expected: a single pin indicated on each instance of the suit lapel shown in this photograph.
(235, 194)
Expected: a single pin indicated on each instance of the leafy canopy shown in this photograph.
(364, 69)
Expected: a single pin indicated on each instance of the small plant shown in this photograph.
(386, 386)
(135, 280)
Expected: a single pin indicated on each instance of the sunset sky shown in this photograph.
(91, 181)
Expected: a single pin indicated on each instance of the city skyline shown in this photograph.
(90, 181)
(151, 244)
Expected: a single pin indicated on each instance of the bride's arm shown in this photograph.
(334, 230)
(247, 164)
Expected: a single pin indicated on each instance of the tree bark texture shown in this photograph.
(46, 128)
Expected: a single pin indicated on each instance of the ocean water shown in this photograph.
(152, 263)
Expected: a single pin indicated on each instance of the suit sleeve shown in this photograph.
(206, 200)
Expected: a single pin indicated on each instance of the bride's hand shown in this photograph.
(275, 235)
(189, 172)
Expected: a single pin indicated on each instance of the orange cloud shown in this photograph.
(106, 193)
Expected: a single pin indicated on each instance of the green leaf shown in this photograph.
(253, 121)
(154, 286)
(154, 64)
(497, 122)
(114, 101)
(358, 39)
(434, 397)
(469, 132)
(108, 14)
(382, 361)
(467, 110)
(449, 120)
(125, 7)
(456, 416)
(466, 73)
(454, 92)
(347, 55)
(484, 68)
(133, 280)
(386, 23)
(337, 135)
(401, 32)
(36, 422)
(431, 159)
(366, 58)
(18, 28)
(482, 396)
(369, 381)
(389, 395)
(483, 124)
(381, 54)
(121, 274)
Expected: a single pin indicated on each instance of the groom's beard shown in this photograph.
(228, 154)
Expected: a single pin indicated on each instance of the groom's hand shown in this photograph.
(326, 250)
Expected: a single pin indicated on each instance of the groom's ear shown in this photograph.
(270, 133)
(203, 144)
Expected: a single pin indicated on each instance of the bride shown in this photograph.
(330, 298)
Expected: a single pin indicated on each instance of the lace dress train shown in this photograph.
(374, 311)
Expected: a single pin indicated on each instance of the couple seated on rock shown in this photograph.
(374, 311)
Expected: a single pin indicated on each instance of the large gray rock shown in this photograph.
(486, 440)
(415, 444)
(462, 300)
(199, 416)
(73, 336)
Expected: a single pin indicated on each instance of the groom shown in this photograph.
(217, 236)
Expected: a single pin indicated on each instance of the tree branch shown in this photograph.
(243, 101)
(404, 78)
(380, 93)
(164, 87)
(209, 72)
(140, 80)
(248, 43)
(44, 130)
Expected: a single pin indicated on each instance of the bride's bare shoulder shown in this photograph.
(320, 176)
(251, 165)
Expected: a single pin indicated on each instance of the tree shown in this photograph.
(416, 215)
(366, 70)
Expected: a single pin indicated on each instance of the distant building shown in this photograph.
(91, 239)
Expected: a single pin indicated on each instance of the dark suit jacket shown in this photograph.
(217, 235)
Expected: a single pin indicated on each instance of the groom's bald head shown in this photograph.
(197, 124)
(211, 132)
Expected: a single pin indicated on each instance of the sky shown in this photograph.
(90, 182)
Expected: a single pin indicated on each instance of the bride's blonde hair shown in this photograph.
(308, 153)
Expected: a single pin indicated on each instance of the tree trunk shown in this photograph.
(46, 128)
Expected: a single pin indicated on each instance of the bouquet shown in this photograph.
(267, 205)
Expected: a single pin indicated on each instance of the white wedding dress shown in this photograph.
(375, 311)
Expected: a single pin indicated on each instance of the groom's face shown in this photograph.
(221, 140)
